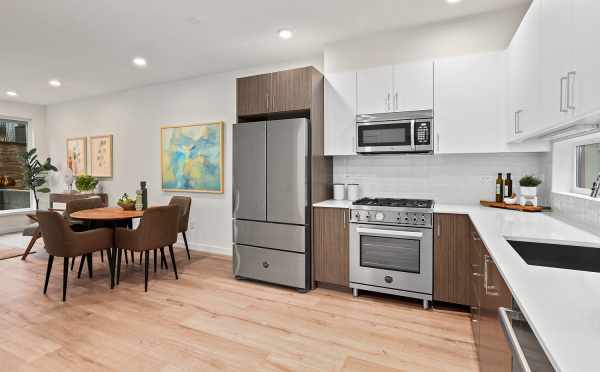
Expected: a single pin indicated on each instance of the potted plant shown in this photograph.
(86, 183)
(529, 185)
(34, 173)
(126, 202)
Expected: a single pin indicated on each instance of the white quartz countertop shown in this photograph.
(562, 306)
(334, 204)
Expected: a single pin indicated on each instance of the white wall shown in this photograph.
(134, 117)
(36, 115)
(473, 34)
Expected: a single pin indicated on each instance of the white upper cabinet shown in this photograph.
(556, 52)
(525, 75)
(470, 104)
(340, 113)
(413, 87)
(375, 90)
(584, 79)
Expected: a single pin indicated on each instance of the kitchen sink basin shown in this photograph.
(557, 255)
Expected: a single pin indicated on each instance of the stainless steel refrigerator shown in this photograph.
(271, 193)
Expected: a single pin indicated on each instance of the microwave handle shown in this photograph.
(390, 233)
(412, 134)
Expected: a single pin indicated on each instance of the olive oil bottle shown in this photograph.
(499, 188)
(508, 186)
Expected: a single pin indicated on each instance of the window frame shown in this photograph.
(29, 146)
(574, 187)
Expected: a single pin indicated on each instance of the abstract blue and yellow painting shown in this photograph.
(192, 158)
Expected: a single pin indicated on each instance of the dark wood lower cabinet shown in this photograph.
(452, 268)
(330, 245)
(489, 292)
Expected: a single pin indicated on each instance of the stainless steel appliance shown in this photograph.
(271, 178)
(528, 355)
(391, 247)
(395, 132)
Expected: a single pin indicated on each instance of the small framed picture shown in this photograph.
(101, 153)
(77, 155)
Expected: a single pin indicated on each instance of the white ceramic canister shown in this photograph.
(339, 191)
(353, 191)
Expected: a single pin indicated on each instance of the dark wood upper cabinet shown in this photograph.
(291, 90)
(253, 95)
(452, 262)
(330, 245)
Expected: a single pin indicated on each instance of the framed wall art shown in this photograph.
(101, 156)
(77, 155)
(192, 157)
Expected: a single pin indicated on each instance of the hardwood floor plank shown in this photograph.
(208, 321)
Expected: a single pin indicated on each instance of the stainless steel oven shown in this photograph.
(392, 259)
(395, 132)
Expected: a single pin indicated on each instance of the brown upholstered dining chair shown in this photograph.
(184, 203)
(157, 229)
(61, 241)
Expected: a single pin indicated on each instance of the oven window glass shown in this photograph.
(390, 253)
(397, 134)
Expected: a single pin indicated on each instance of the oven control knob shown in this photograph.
(405, 218)
(414, 219)
(388, 279)
(379, 216)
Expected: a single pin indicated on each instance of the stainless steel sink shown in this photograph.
(556, 255)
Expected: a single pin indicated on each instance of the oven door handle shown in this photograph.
(390, 233)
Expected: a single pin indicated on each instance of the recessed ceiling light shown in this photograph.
(140, 62)
(453, 1)
(55, 83)
(11, 93)
(285, 34)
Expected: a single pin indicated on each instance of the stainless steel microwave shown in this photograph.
(395, 132)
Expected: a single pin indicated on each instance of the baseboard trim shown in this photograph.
(225, 251)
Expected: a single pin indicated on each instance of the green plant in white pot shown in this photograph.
(86, 183)
(529, 186)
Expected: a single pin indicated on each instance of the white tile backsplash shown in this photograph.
(464, 178)
(579, 210)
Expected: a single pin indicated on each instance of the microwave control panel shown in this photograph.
(422, 133)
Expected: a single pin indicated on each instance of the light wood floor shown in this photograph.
(208, 321)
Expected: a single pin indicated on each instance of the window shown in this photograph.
(587, 167)
(13, 143)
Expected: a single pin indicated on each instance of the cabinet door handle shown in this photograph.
(562, 89)
(396, 102)
(389, 103)
(489, 290)
(438, 230)
(518, 121)
(571, 90)
(267, 98)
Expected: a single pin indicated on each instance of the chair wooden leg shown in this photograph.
(126, 258)
(173, 260)
(146, 258)
(187, 249)
(119, 253)
(132, 259)
(163, 259)
(34, 238)
(66, 276)
(72, 263)
(155, 260)
(110, 267)
(89, 264)
(48, 270)
(141, 253)
(82, 258)
(102, 256)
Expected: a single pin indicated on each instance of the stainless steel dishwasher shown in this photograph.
(528, 355)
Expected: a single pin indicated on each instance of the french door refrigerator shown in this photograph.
(271, 193)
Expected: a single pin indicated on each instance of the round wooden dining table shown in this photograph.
(116, 216)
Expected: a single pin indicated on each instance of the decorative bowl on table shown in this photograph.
(126, 203)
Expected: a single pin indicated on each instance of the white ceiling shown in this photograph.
(89, 45)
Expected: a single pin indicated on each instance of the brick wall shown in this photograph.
(10, 164)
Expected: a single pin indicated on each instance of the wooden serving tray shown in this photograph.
(516, 207)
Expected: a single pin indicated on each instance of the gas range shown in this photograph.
(408, 212)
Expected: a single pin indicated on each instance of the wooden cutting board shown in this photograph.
(516, 207)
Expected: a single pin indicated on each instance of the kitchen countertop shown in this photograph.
(334, 204)
(562, 306)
